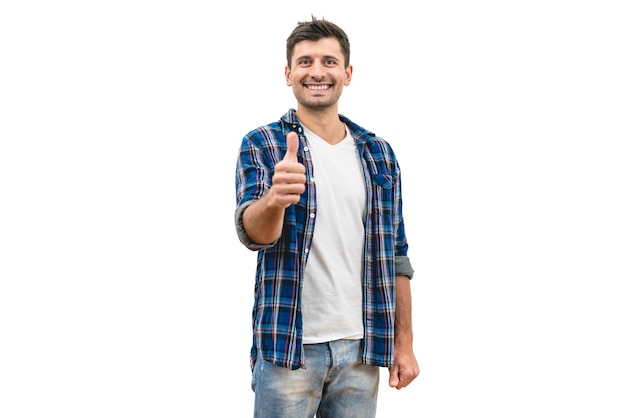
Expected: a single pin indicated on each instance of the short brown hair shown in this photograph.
(314, 30)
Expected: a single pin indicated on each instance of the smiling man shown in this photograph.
(317, 72)
(319, 199)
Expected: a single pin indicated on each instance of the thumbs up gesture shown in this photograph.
(288, 182)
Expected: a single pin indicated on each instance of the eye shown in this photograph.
(331, 62)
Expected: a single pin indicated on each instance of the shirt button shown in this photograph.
(312, 180)
(311, 215)
(306, 250)
(305, 149)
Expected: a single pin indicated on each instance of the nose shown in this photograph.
(317, 70)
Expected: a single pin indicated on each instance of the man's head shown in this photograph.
(315, 30)
(317, 65)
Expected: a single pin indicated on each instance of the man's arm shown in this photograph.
(263, 220)
(405, 367)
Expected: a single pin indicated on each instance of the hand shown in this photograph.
(288, 182)
(404, 370)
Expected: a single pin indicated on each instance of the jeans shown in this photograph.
(335, 384)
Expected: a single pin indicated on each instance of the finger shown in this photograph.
(394, 380)
(292, 148)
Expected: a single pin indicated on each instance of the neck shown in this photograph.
(323, 123)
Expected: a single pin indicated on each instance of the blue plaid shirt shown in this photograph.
(277, 314)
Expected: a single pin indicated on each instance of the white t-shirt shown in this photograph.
(332, 290)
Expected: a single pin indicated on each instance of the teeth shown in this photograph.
(324, 87)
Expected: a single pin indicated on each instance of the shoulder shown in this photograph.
(264, 133)
(271, 134)
(377, 145)
(362, 134)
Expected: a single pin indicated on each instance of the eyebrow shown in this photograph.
(325, 57)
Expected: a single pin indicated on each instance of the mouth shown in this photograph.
(317, 87)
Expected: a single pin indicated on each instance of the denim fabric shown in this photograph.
(334, 384)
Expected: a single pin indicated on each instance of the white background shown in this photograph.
(124, 291)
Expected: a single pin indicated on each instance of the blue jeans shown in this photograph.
(335, 384)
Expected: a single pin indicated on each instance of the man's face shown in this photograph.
(318, 73)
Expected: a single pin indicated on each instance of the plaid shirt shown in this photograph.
(277, 314)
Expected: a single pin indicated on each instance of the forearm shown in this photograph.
(405, 367)
(404, 323)
(263, 221)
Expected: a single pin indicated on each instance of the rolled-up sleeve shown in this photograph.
(241, 231)
(403, 266)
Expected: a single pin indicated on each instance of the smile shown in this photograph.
(318, 87)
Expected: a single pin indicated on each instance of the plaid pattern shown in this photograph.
(277, 319)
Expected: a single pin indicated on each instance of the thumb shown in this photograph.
(292, 148)
(394, 379)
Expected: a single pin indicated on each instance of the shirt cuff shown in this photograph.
(403, 266)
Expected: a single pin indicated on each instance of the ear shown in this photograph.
(287, 75)
(348, 75)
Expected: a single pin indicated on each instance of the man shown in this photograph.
(319, 198)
